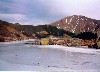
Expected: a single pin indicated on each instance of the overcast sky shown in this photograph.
(37, 12)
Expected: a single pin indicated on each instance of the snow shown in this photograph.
(14, 42)
(73, 49)
(18, 56)
(4, 65)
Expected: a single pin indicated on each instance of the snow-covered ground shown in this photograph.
(20, 56)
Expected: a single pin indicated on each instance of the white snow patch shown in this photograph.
(71, 49)
(14, 42)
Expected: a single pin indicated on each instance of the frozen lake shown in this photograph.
(19, 56)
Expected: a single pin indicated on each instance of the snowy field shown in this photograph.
(24, 57)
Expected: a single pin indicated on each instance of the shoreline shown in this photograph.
(71, 49)
(17, 41)
(83, 49)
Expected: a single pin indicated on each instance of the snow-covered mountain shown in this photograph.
(77, 24)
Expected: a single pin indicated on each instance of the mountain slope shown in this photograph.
(8, 33)
(77, 24)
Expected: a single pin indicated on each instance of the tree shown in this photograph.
(2, 39)
(87, 35)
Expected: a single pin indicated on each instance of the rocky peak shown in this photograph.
(76, 24)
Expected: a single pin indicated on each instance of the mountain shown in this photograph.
(10, 32)
(72, 26)
(77, 24)
(16, 31)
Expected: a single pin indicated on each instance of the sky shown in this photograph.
(39, 12)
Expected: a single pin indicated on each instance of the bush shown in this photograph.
(53, 30)
(87, 35)
(41, 35)
(2, 39)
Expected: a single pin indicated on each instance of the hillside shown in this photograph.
(72, 26)
(77, 24)
(10, 32)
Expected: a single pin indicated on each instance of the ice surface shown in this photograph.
(20, 56)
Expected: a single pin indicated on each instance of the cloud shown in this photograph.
(34, 22)
(13, 17)
(46, 11)
(88, 8)
(23, 11)
(22, 19)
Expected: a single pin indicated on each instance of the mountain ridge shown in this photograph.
(77, 24)
(70, 25)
